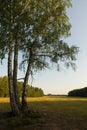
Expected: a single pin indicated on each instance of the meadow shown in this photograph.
(47, 113)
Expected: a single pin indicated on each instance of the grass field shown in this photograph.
(49, 113)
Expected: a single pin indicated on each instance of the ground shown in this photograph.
(48, 113)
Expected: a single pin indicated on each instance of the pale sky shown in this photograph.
(52, 81)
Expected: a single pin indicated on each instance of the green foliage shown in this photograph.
(78, 92)
(31, 91)
(4, 87)
(34, 92)
(38, 26)
(45, 31)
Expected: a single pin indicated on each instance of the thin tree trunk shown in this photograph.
(15, 75)
(24, 102)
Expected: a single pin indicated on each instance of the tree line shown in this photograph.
(35, 31)
(78, 92)
(31, 91)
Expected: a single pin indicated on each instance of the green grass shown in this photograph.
(51, 113)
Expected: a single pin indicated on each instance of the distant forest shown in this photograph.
(31, 91)
(78, 92)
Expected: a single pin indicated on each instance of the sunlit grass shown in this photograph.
(3, 100)
(56, 98)
(47, 98)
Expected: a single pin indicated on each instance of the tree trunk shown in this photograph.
(24, 102)
(13, 104)
(17, 99)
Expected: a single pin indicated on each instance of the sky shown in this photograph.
(54, 82)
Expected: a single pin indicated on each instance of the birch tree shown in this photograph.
(47, 27)
(36, 29)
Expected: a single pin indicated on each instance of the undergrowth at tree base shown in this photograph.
(8, 120)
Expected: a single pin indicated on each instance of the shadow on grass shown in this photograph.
(10, 122)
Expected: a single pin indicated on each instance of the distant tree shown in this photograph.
(31, 91)
(4, 87)
(34, 92)
(78, 92)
